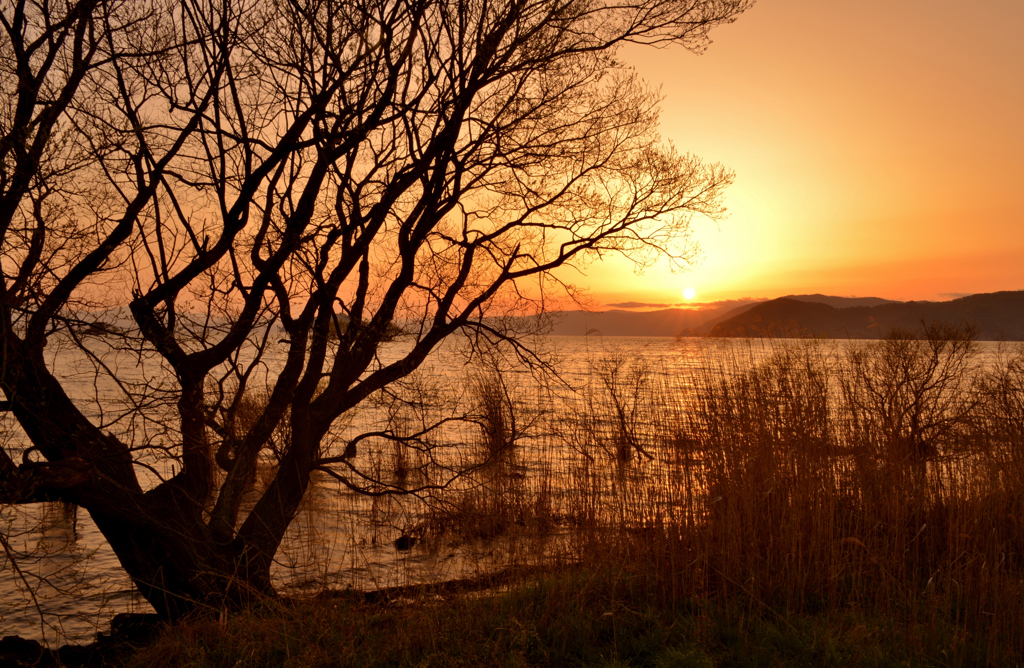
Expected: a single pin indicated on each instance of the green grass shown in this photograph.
(581, 618)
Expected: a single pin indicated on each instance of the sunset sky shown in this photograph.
(878, 147)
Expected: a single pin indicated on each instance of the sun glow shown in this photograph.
(689, 293)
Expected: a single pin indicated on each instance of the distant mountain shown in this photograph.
(838, 302)
(664, 322)
(706, 326)
(842, 302)
(673, 321)
(997, 315)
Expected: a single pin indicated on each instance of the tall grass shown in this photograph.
(882, 478)
(874, 489)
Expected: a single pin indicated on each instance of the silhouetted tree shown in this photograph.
(294, 179)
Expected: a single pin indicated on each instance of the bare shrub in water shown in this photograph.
(627, 386)
(497, 496)
(909, 395)
(611, 414)
(496, 414)
(1001, 417)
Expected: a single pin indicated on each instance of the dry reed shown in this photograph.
(880, 478)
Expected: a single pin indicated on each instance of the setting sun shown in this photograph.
(788, 97)
(689, 293)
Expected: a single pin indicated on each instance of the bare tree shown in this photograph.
(297, 180)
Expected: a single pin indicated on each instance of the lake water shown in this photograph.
(66, 583)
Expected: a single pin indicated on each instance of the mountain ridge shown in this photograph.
(997, 315)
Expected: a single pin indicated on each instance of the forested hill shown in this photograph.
(997, 315)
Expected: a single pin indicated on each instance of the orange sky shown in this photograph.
(878, 147)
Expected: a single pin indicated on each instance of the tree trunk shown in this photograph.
(174, 560)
